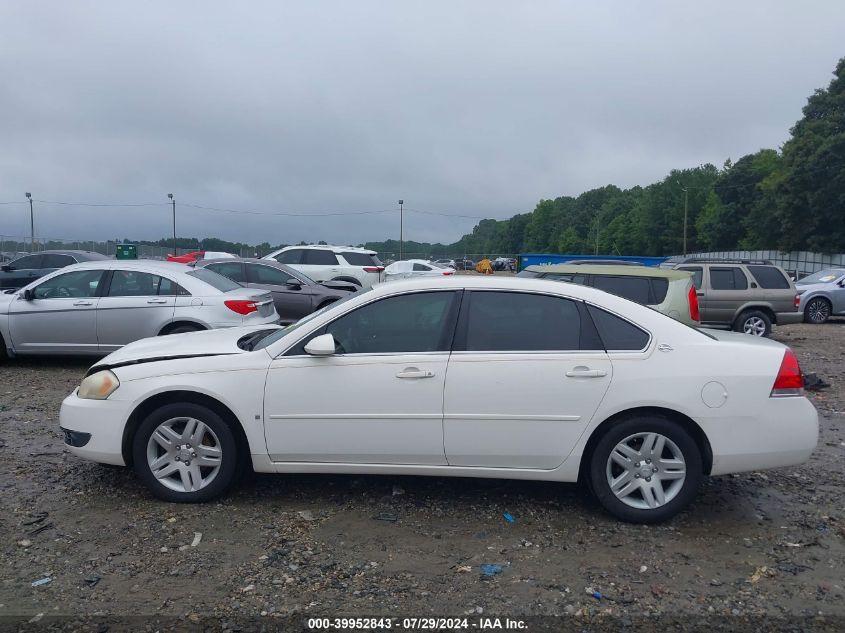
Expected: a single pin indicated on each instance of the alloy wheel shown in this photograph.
(754, 326)
(818, 311)
(184, 454)
(646, 470)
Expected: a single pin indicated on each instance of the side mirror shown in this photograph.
(6, 268)
(28, 295)
(322, 345)
(293, 284)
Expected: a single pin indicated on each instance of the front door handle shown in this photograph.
(413, 372)
(83, 303)
(157, 301)
(586, 372)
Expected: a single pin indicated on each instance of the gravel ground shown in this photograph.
(757, 544)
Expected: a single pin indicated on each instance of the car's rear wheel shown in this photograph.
(185, 453)
(817, 310)
(645, 469)
(754, 322)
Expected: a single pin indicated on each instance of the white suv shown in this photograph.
(323, 262)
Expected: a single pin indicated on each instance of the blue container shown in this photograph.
(539, 259)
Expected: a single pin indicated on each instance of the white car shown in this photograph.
(545, 381)
(323, 262)
(414, 268)
(96, 307)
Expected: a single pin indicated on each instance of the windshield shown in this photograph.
(277, 334)
(823, 276)
(215, 280)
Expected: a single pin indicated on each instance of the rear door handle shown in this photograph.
(83, 303)
(157, 301)
(413, 372)
(584, 372)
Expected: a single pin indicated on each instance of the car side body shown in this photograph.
(411, 268)
(521, 398)
(295, 295)
(822, 295)
(98, 306)
(324, 262)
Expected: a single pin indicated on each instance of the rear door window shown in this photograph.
(728, 278)
(769, 277)
(52, 260)
(634, 288)
(521, 321)
(215, 280)
(319, 257)
(232, 270)
(132, 283)
(421, 267)
(260, 274)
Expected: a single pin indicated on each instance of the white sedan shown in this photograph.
(411, 268)
(457, 376)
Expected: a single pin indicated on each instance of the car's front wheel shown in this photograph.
(817, 310)
(645, 469)
(185, 453)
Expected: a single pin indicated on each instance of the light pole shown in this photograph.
(31, 224)
(401, 229)
(686, 205)
(173, 202)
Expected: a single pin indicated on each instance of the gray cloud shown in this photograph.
(472, 108)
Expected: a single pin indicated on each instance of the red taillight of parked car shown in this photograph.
(797, 301)
(373, 269)
(692, 299)
(790, 381)
(448, 272)
(241, 306)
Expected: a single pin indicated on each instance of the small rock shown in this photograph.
(248, 588)
(306, 515)
(25, 543)
(643, 569)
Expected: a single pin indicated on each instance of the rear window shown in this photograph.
(52, 260)
(361, 259)
(319, 257)
(769, 277)
(728, 279)
(642, 290)
(213, 279)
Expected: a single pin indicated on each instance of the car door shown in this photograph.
(837, 295)
(727, 288)
(135, 305)
(379, 399)
(292, 301)
(320, 264)
(527, 373)
(61, 317)
(21, 272)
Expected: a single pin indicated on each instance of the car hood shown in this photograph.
(187, 345)
(825, 285)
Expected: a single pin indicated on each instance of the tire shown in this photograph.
(638, 500)
(4, 353)
(170, 424)
(817, 310)
(753, 322)
(182, 329)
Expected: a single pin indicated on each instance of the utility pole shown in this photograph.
(31, 224)
(401, 230)
(598, 228)
(686, 206)
(173, 202)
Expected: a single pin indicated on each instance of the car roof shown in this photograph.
(81, 255)
(139, 264)
(272, 263)
(600, 269)
(330, 247)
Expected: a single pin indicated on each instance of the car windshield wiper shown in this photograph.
(248, 342)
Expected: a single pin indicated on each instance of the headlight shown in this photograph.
(98, 386)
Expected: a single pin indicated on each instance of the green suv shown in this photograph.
(668, 291)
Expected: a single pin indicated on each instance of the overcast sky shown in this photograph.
(460, 108)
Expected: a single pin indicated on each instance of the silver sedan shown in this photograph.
(97, 307)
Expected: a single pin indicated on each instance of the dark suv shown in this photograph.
(27, 268)
(743, 294)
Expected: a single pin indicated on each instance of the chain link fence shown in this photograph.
(797, 263)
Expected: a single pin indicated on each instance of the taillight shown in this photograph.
(692, 299)
(373, 269)
(789, 382)
(448, 272)
(797, 301)
(241, 306)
